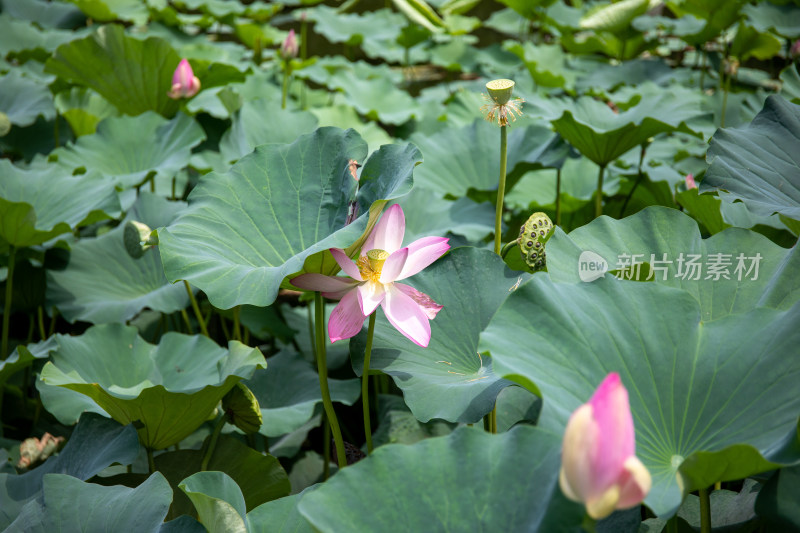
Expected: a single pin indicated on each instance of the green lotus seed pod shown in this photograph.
(533, 236)
(5, 124)
(242, 409)
(138, 238)
(500, 90)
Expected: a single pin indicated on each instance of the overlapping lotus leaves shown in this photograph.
(760, 163)
(18, 36)
(603, 135)
(501, 471)
(127, 149)
(459, 159)
(218, 500)
(110, 10)
(711, 401)
(289, 391)
(89, 507)
(96, 443)
(448, 379)
(102, 283)
(279, 516)
(169, 388)
(83, 108)
(765, 275)
(39, 204)
(133, 75)
(24, 99)
(428, 214)
(248, 229)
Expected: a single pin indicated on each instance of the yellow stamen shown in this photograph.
(371, 265)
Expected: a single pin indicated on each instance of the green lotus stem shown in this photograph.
(558, 197)
(639, 179)
(705, 510)
(303, 56)
(212, 443)
(326, 449)
(598, 201)
(52, 330)
(285, 84)
(237, 330)
(151, 464)
(672, 525)
(507, 248)
(12, 257)
(40, 320)
(322, 368)
(501, 189)
(365, 382)
(196, 308)
(185, 316)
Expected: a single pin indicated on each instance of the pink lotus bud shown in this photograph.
(289, 48)
(795, 50)
(184, 83)
(690, 183)
(599, 466)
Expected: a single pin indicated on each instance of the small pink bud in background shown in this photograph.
(184, 83)
(289, 48)
(794, 52)
(690, 183)
(599, 466)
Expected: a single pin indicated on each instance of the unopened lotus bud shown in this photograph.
(500, 90)
(690, 183)
(289, 48)
(242, 409)
(184, 83)
(533, 236)
(138, 238)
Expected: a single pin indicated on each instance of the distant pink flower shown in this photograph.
(690, 183)
(289, 48)
(184, 83)
(794, 51)
(374, 282)
(599, 466)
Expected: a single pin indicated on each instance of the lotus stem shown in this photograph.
(285, 85)
(151, 464)
(507, 248)
(598, 201)
(40, 320)
(705, 511)
(196, 308)
(558, 197)
(322, 368)
(365, 382)
(639, 178)
(237, 330)
(12, 258)
(212, 443)
(501, 189)
(185, 316)
(326, 449)
(52, 329)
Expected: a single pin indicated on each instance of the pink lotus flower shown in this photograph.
(374, 282)
(289, 48)
(599, 466)
(184, 83)
(690, 183)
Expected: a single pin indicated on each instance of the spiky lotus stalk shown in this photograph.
(533, 236)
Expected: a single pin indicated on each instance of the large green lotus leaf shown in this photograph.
(169, 388)
(83, 108)
(440, 493)
(218, 500)
(548, 64)
(45, 14)
(603, 135)
(785, 20)
(448, 379)
(39, 204)
(247, 229)
(459, 159)
(428, 214)
(760, 164)
(133, 75)
(134, 11)
(718, 15)
(96, 443)
(279, 516)
(102, 283)
(344, 116)
(289, 391)
(24, 99)
(255, 124)
(74, 505)
(658, 231)
(261, 477)
(127, 149)
(711, 401)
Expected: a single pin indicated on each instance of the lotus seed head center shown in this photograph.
(371, 265)
(500, 90)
